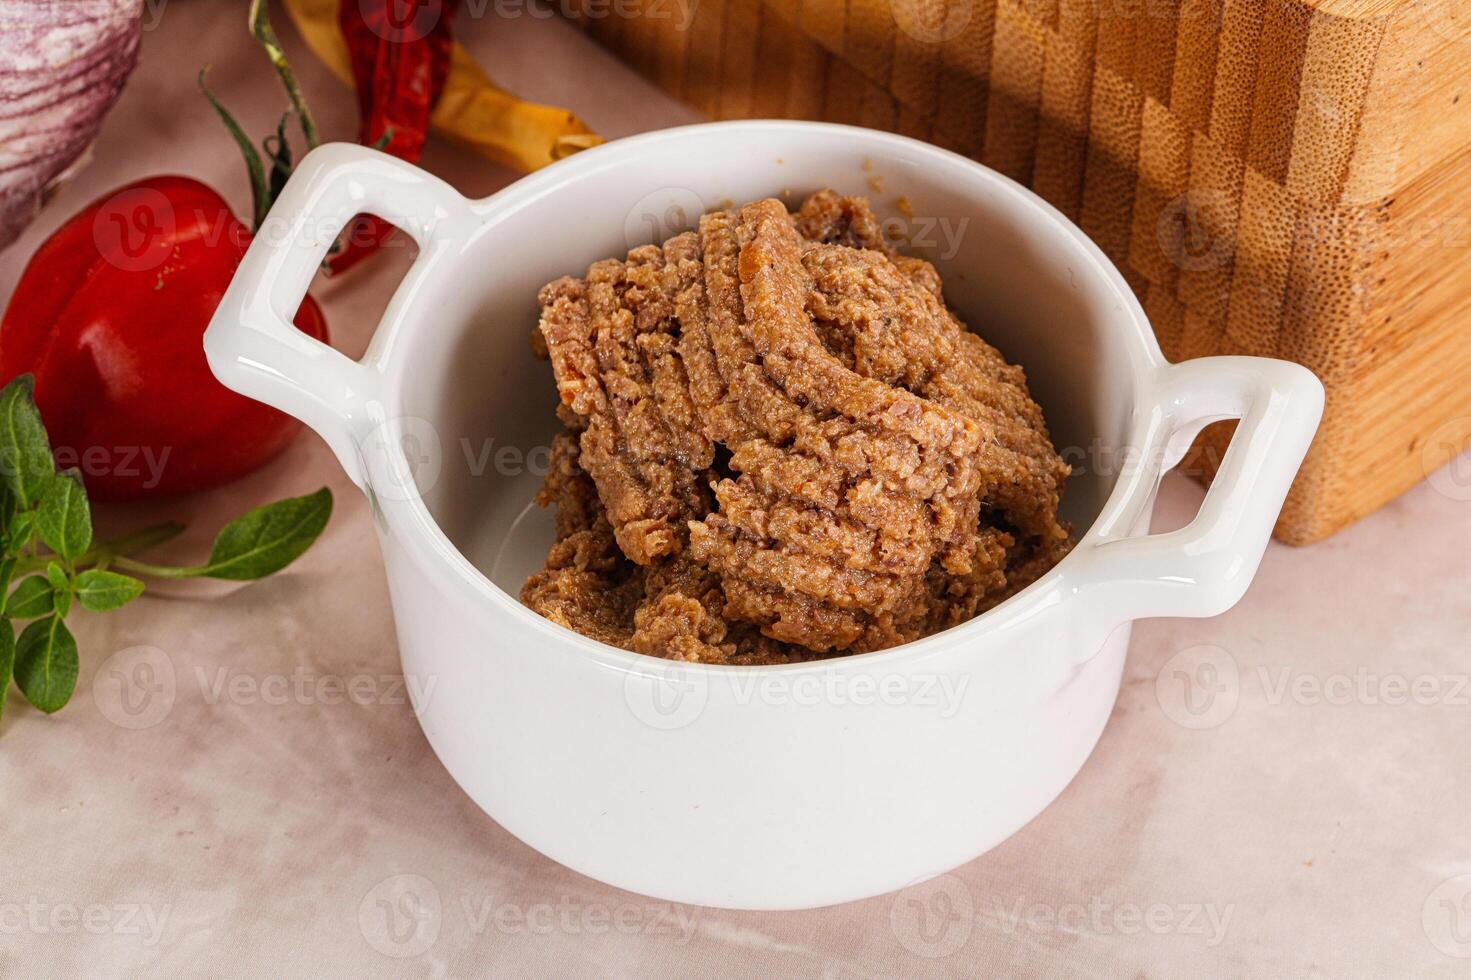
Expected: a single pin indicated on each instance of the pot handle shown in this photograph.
(1204, 569)
(251, 343)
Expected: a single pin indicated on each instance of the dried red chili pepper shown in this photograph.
(400, 59)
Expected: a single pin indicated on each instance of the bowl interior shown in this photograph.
(465, 367)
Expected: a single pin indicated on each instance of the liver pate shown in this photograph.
(782, 445)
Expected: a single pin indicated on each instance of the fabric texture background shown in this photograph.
(278, 812)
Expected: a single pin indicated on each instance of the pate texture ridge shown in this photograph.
(782, 445)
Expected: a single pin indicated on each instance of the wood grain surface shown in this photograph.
(1283, 178)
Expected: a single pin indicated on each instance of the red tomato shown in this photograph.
(109, 316)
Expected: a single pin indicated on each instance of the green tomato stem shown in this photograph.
(260, 190)
(260, 29)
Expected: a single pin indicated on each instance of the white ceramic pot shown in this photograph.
(772, 787)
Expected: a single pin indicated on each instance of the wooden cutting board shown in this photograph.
(1287, 178)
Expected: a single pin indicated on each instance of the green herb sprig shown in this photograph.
(48, 553)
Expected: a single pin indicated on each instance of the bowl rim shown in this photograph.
(1145, 358)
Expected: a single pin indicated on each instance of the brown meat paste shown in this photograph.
(782, 445)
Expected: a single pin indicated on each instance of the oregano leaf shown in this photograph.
(31, 599)
(7, 572)
(22, 529)
(269, 538)
(46, 664)
(99, 590)
(61, 593)
(64, 518)
(8, 507)
(25, 451)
